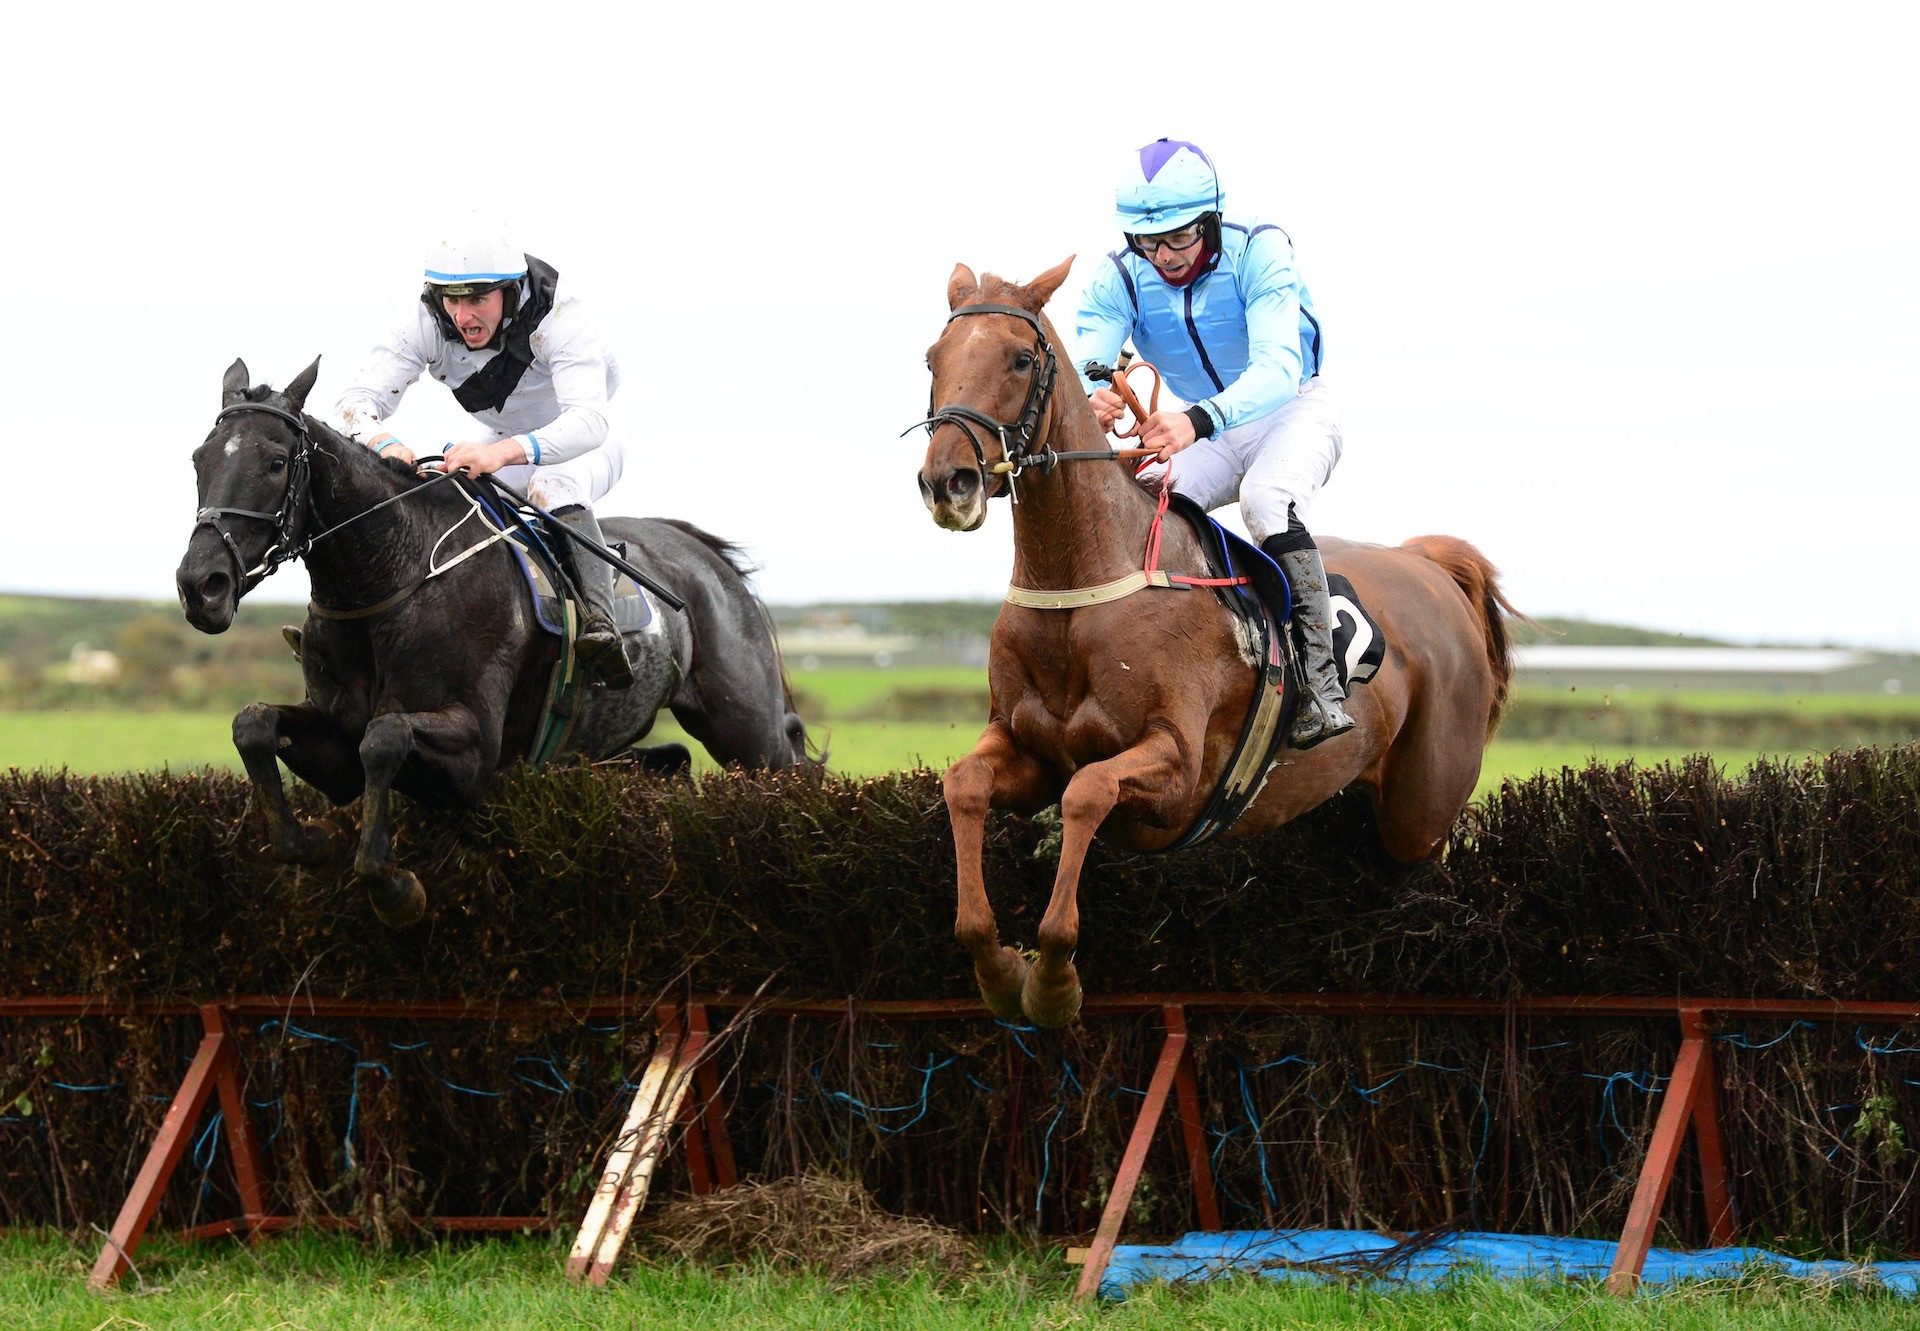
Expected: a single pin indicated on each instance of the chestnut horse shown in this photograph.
(1127, 712)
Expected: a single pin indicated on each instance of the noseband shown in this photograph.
(292, 505)
(1016, 440)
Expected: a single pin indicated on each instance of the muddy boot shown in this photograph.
(1319, 715)
(603, 653)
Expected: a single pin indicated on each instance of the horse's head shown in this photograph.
(252, 473)
(993, 367)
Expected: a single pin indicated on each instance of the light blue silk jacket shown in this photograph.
(1237, 342)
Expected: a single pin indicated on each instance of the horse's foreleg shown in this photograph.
(314, 747)
(995, 774)
(1151, 770)
(449, 741)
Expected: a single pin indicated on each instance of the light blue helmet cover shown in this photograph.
(1168, 184)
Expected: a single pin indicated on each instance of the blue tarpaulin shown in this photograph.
(1323, 1254)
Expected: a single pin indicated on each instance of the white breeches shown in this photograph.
(581, 480)
(1283, 458)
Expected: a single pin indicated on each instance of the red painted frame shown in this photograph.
(1690, 1099)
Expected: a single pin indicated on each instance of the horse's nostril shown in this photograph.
(962, 483)
(213, 586)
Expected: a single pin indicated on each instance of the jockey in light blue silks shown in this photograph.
(527, 365)
(1218, 308)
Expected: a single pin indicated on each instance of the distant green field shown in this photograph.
(1705, 700)
(134, 741)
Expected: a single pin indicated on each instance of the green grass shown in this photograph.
(320, 1283)
(117, 741)
(106, 741)
(840, 692)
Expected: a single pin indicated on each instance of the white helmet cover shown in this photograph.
(475, 258)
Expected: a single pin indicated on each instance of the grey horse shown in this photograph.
(427, 673)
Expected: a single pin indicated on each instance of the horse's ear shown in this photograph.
(233, 386)
(961, 285)
(296, 392)
(1041, 289)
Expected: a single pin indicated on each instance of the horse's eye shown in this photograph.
(277, 466)
(1023, 361)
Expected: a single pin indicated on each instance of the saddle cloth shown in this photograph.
(633, 609)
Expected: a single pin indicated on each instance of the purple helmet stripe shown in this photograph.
(1158, 153)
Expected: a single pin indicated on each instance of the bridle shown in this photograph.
(293, 511)
(285, 519)
(1017, 439)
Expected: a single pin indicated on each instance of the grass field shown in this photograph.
(327, 1283)
(109, 741)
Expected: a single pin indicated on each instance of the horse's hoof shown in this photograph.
(1001, 990)
(1051, 1004)
(398, 899)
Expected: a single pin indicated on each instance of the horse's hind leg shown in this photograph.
(738, 711)
(319, 753)
(1152, 771)
(1426, 779)
(994, 775)
(448, 743)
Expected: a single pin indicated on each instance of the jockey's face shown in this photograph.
(1172, 252)
(476, 317)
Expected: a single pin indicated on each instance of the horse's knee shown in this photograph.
(385, 745)
(968, 787)
(1090, 796)
(256, 729)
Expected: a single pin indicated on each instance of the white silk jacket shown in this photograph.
(558, 410)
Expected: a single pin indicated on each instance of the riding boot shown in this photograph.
(1319, 714)
(603, 653)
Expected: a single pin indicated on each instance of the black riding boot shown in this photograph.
(1319, 714)
(603, 653)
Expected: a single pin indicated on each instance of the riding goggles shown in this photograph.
(1185, 238)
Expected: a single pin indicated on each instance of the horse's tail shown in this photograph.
(1475, 575)
(740, 562)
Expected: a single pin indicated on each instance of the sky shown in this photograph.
(1626, 295)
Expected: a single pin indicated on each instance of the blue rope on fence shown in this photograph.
(1739, 1040)
(86, 1090)
(1859, 1038)
(867, 1111)
(564, 1086)
(353, 1102)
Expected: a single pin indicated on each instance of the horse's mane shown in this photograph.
(393, 466)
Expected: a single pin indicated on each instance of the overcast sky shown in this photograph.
(1626, 295)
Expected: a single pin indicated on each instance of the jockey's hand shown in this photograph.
(1107, 407)
(1168, 431)
(389, 446)
(478, 459)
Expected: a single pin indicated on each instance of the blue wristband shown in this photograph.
(381, 448)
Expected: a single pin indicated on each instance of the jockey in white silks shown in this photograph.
(528, 365)
(1219, 309)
